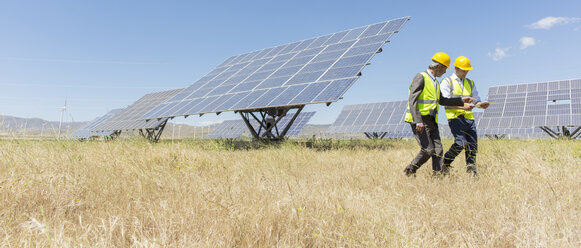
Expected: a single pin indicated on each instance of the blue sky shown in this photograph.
(101, 55)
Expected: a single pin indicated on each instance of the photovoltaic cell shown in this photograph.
(283, 75)
(85, 131)
(128, 118)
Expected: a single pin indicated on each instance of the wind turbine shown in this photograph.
(63, 110)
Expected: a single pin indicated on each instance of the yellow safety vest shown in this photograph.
(458, 91)
(428, 99)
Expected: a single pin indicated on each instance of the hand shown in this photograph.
(420, 128)
(467, 107)
(468, 99)
(484, 105)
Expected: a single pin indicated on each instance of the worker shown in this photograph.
(422, 113)
(461, 119)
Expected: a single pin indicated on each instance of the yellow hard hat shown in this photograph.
(442, 58)
(463, 63)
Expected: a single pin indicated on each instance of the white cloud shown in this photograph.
(499, 53)
(526, 42)
(550, 21)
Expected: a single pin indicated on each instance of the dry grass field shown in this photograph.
(130, 193)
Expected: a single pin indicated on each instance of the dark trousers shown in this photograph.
(429, 141)
(465, 138)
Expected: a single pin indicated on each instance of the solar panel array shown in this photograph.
(524, 132)
(531, 132)
(378, 118)
(310, 71)
(373, 117)
(556, 103)
(85, 132)
(235, 128)
(389, 117)
(128, 119)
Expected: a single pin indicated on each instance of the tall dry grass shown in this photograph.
(186, 194)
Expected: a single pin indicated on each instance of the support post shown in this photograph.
(575, 134)
(495, 136)
(551, 132)
(291, 121)
(245, 118)
(562, 132)
(368, 135)
(375, 135)
(383, 135)
(113, 136)
(153, 134)
(264, 130)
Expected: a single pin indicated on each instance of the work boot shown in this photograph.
(445, 169)
(471, 168)
(410, 170)
(438, 175)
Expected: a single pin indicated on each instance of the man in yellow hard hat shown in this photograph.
(460, 118)
(422, 113)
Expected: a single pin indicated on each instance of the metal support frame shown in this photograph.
(496, 136)
(153, 134)
(109, 137)
(576, 134)
(113, 136)
(267, 120)
(562, 132)
(375, 135)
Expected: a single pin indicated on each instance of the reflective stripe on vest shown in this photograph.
(458, 91)
(427, 100)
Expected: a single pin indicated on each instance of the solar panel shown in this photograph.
(445, 131)
(235, 128)
(514, 133)
(128, 119)
(373, 118)
(316, 70)
(511, 133)
(85, 131)
(555, 103)
(403, 133)
(228, 130)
